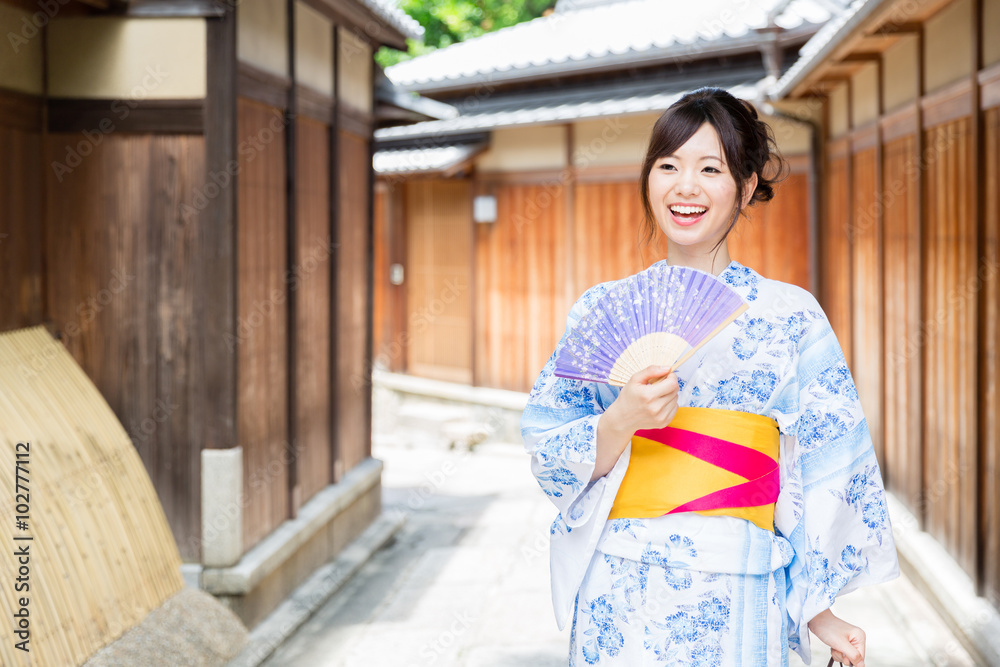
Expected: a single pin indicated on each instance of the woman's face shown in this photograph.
(693, 194)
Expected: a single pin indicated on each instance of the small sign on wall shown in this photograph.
(484, 208)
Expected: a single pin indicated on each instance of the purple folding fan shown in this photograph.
(660, 316)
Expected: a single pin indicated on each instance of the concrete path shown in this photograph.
(465, 583)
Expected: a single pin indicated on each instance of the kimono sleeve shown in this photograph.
(559, 428)
(832, 506)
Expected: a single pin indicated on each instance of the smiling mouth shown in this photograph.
(686, 215)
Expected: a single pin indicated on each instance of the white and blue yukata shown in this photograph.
(690, 589)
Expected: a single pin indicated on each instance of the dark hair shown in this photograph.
(747, 141)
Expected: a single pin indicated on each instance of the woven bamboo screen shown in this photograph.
(101, 553)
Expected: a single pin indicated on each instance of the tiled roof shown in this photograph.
(596, 36)
(562, 109)
(821, 44)
(388, 11)
(423, 160)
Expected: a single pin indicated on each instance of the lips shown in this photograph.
(687, 214)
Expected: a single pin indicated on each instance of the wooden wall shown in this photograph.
(950, 391)
(553, 240)
(520, 271)
(910, 261)
(439, 280)
(353, 389)
(262, 331)
(310, 281)
(786, 217)
(389, 308)
(21, 205)
(902, 417)
(990, 358)
(607, 217)
(122, 265)
(835, 265)
(865, 236)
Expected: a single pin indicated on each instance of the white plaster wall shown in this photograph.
(262, 35)
(119, 58)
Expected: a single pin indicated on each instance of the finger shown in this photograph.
(649, 373)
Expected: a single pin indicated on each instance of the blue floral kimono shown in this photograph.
(689, 589)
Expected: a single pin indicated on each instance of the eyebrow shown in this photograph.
(703, 157)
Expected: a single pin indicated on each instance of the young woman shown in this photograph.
(724, 585)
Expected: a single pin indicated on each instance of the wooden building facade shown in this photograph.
(556, 145)
(485, 303)
(910, 252)
(185, 196)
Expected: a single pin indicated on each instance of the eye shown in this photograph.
(712, 170)
(666, 166)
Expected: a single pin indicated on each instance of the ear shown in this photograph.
(748, 189)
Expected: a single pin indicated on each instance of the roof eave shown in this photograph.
(371, 26)
(749, 43)
(800, 76)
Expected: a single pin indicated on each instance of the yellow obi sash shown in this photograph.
(710, 461)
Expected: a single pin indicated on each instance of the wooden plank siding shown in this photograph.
(439, 284)
(902, 386)
(864, 234)
(785, 218)
(121, 265)
(353, 425)
(989, 398)
(21, 205)
(835, 268)
(950, 396)
(262, 428)
(310, 281)
(520, 269)
(606, 229)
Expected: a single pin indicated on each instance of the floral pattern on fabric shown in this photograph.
(779, 359)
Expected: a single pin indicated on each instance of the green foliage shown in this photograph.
(448, 21)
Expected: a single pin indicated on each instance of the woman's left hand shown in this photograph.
(846, 641)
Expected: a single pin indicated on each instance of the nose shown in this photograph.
(687, 183)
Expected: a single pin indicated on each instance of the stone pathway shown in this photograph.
(465, 583)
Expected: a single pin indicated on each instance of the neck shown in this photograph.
(712, 261)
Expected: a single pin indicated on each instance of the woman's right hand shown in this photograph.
(648, 400)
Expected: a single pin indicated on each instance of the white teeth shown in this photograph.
(688, 210)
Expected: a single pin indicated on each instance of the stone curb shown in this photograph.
(946, 586)
(316, 590)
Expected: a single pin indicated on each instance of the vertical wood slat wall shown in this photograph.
(774, 237)
(835, 265)
(121, 259)
(520, 291)
(903, 272)
(310, 281)
(21, 240)
(864, 235)
(262, 330)
(353, 428)
(950, 394)
(520, 294)
(439, 267)
(932, 393)
(990, 398)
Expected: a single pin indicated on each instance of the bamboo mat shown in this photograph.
(102, 554)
